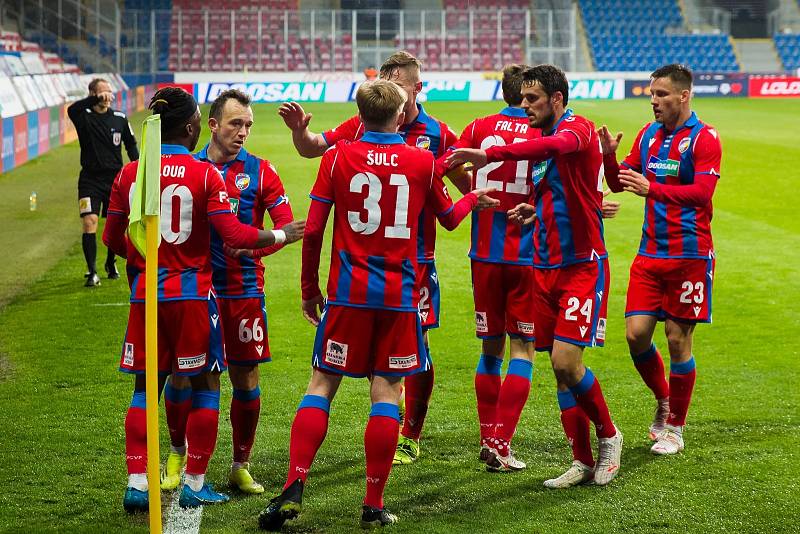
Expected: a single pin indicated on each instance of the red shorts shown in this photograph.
(428, 285)
(570, 304)
(503, 300)
(244, 322)
(362, 341)
(189, 338)
(671, 288)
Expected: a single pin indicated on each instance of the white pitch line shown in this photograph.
(182, 520)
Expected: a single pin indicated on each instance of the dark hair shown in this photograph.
(551, 78)
(512, 84)
(94, 83)
(679, 75)
(219, 103)
(176, 107)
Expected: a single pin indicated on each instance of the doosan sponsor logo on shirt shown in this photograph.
(782, 86)
(663, 167)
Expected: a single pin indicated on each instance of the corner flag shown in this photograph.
(147, 188)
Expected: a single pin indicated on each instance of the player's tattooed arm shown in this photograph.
(307, 143)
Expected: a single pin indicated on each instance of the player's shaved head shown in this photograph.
(679, 75)
(218, 105)
(512, 84)
(379, 102)
(550, 78)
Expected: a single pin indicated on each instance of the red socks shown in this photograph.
(419, 387)
(308, 432)
(487, 391)
(201, 430)
(681, 384)
(380, 442)
(178, 404)
(589, 397)
(245, 410)
(513, 396)
(136, 435)
(576, 427)
(651, 369)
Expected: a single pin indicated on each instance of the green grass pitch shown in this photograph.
(62, 400)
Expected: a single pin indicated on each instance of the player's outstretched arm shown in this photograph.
(474, 156)
(522, 214)
(537, 150)
(307, 143)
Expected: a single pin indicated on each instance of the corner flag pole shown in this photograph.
(144, 232)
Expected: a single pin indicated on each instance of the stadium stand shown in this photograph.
(788, 46)
(627, 35)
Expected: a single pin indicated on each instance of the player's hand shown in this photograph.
(610, 207)
(294, 116)
(460, 156)
(484, 200)
(294, 230)
(608, 142)
(236, 252)
(522, 214)
(312, 308)
(634, 182)
(106, 98)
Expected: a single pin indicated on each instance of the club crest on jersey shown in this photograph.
(684, 144)
(336, 353)
(423, 142)
(116, 138)
(242, 181)
(663, 167)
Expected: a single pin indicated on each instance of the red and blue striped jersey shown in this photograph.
(568, 195)
(676, 158)
(377, 185)
(494, 238)
(254, 188)
(191, 192)
(424, 132)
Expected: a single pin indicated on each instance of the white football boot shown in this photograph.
(578, 473)
(608, 458)
(669, 441)
(659, 419)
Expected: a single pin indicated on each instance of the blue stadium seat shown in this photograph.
(788, 46)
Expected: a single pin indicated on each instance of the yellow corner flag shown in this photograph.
(147, 189)
(145, 234)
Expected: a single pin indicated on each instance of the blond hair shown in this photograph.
(399, 60)
(379, 101)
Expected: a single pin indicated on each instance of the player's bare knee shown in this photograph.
(89, 223)
(324, 384)
(494, 347)
(243, 376)
(679, 340)
(521, 349)
(385, 389)
(205, 381)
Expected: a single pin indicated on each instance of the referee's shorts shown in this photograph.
(94, 190)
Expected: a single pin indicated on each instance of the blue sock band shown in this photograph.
(585, 384)
(385, 409)
(520, 367)
(138, 400)
(315, 401)
(566, 400)
(489, 365)
(176, 396)
(682, 368)
(246, 395)
(646, 355)
(205, 399)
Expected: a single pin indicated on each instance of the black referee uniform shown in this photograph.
(101, 136)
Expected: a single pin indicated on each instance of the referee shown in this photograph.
(101, 131)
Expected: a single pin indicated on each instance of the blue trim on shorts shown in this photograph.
(585, 384)
(315, 401)
(576, 342)
(526, 339)
(246, 395)
(490, 338)
(683, 368)
(521, 368)
(385, 409)
(566, 400)
(205, 399)
(489, 365)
